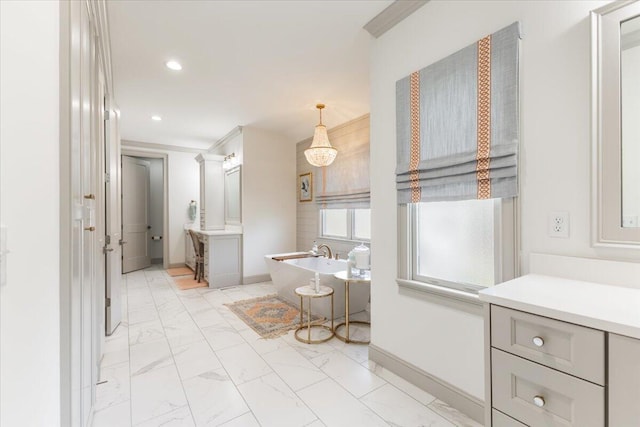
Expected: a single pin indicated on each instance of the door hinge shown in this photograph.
(107, 116)
(108, 302)
(107, 239)
(107, 177)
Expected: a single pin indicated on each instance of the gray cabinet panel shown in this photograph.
(570, 348)
(624, 381)
(501, 420)
(562, 400)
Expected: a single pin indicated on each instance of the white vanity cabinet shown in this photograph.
(222, 257)
(561, 353)
(211, 192)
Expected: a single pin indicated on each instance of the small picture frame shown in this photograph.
(305, 187)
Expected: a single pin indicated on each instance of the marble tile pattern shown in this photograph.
(182, 358)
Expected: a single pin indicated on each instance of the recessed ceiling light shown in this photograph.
(156, 118)
(173, 65)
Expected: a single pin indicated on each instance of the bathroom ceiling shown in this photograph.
(258, 63)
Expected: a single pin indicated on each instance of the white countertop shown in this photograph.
(217, 232)
(609, 308)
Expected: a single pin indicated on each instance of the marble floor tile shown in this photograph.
(181, 417)
(222, 336)
(417, 393)
(293, 368)
(452, 414)
(309, 351)
(115, 415)
(262, 345)
(242, 363)
(114, 386)
(156, 393)
(397, 408)
(179, 334)
(274, 404)
(337, 407)
(146, 332)
(208, 317)
(142, 315)
(182, 358)
(213, 398)
(149, 356)
(357, 352)
(349, 374)
(195, 359)
(233, 320)
(246, 420)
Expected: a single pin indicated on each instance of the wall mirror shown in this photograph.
(233, 196)
(616, 124)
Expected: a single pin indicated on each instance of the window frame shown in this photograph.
(350, 227)
(506, 256)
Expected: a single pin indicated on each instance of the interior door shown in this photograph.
(113, 237)
(135, 214)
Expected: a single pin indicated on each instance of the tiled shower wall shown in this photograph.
(308, 227)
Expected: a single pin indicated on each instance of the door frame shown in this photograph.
(165, 196)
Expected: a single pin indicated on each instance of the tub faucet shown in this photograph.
(329, 254)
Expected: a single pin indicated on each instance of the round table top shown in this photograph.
(308, 291)
(342, 275)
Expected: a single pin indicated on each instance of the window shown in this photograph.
(348, 224)
(464, 245)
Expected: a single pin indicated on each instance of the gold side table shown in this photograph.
(342, 275)
(310, 293)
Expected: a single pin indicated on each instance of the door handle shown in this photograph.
(106, 249)
(121, 242)
(148, 227)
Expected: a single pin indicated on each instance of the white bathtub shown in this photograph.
(289, 274)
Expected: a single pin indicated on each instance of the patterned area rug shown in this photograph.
(269, 316)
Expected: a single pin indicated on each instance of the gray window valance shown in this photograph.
(345, 182)
(457, 124)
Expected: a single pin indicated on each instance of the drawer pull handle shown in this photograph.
(539, 401)
(538, 341)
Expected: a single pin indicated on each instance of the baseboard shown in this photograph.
(248, 280)
(177, 265)
(448, 393)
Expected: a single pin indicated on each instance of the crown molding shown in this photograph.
(228, 137)
(392, 15)
(160, 147)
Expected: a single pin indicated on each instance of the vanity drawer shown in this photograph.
(498, 419)
(563, 346)
(540, 396)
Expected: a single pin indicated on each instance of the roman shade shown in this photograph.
(457, 124)
(345, 182)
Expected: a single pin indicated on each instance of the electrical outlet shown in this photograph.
(558, 224)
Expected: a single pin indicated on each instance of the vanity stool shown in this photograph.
(310, 293)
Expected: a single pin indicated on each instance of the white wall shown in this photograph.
(268, 198)
(555, 163)
(184, 185)
(29, 200)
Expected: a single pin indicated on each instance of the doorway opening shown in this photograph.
(144, 210)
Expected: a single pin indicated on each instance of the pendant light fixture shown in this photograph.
(321, 153)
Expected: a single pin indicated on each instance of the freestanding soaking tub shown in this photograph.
(288, 273)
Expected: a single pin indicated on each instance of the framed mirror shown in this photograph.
(615, 32)
(233, 196)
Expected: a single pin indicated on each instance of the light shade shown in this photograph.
(320, 153)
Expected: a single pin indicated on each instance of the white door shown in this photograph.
(135, 214)
(113, 237)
